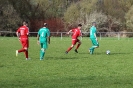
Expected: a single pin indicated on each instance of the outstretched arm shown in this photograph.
(69, 32)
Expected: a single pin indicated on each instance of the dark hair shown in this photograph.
(79, 25)
(93, 23)
(45, 24)
(25, 22)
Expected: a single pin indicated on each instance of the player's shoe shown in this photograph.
(16, 53)
(41, 58)
(66, 52)
(27, 58)
(76, 50)
(91, 52)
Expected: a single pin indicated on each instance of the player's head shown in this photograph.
(79, 26)
(45, 24)
(25, 23)
(93, 23)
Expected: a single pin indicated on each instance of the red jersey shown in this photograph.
(23, 32)
(76, 33)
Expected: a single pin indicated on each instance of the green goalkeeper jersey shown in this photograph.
(44, 33)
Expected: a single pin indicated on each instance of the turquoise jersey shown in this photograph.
(43, 33)
(92, 31)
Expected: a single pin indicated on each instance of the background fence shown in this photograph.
(61, 35)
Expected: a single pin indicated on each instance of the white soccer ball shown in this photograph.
(107, 52)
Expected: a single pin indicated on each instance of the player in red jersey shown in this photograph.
(22, 33)
(76, 32)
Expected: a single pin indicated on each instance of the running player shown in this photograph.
(76, 32)
(22, 33)
(93, 38)
(43, 38)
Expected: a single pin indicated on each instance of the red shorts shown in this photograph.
(74, 41)
(24, 42)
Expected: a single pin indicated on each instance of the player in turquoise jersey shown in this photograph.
(93, 38)
(43, 38)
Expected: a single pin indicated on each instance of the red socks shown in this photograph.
(25, 51)
(77, 46)
(22, 50)
(69, 49)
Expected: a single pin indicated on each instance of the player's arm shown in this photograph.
(38, 39)
(48, 39)
(17, 33)
(69, 32)
(27, 31)
(81, 33)
(95, 35)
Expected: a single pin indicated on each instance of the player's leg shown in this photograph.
(43, 49)
(79, 43)
(26, 53)
(95, 45)
(21, 50)
(73, 43)
(26, 46)
(23, 45)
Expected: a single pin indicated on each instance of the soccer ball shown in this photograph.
(107, 52)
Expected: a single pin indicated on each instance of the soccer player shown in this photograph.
(76, 32)
(93, 38)
(22, 33)
(43, 38)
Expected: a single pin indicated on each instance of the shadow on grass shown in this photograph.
(104, 53)
(119, 53)
(61, 58)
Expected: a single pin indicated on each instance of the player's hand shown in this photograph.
(38, 42)
(67, 33)
(19, 39)
(48, 42)
(96, 39)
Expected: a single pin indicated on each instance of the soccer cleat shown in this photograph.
(76, 50)
(66, 52)
(41, 59)
(16, 53)
(91, 52)
(27, 58)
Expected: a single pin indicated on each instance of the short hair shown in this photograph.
(45, 24)
(79, 25)
(25, 22)
(93, 23)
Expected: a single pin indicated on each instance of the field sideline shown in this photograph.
(72, 70)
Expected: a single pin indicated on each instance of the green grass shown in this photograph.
(59, 70)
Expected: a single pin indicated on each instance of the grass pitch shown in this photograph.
(72, 70)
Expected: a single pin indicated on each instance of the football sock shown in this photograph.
(21, 50)
(26, 53)
(42, 53)
(69, 49)
(78, 46)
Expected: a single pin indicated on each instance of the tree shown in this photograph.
(115, 11)
(129, 18)
(9, 17)
(84, 12)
